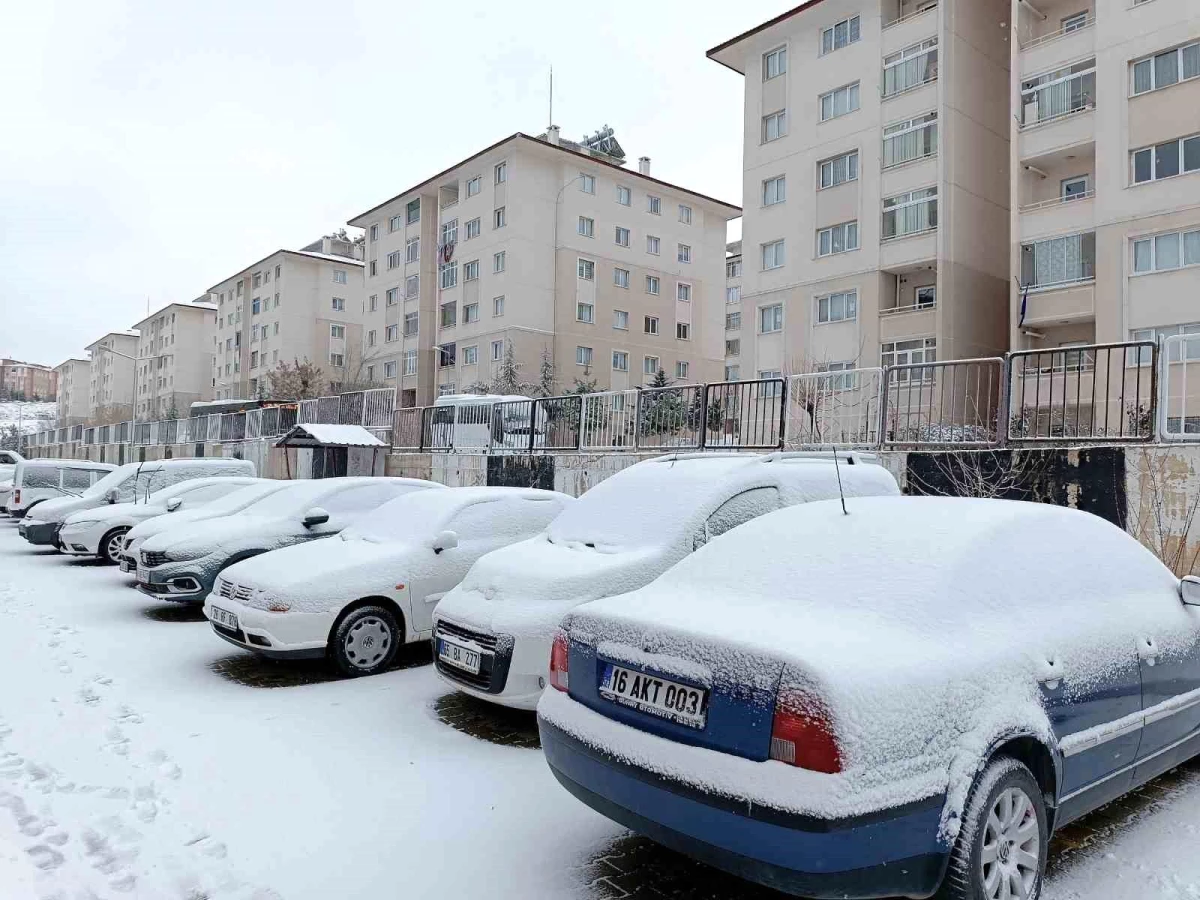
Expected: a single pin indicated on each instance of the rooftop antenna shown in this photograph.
(550, 124)
(838, 470)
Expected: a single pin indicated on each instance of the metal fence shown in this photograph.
(671, 418)
(608, 420)
(834, 409)
(938, 403)
(745, 415)
(1179, 388)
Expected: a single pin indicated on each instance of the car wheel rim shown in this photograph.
(115, 545)
(367, 642)
(1011, 847)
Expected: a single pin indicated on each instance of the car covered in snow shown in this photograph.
(359, 597)
(101, 531)
(622, 534)
(181, 564)
(124, 484)
(905, 699)
(36, 481)
(241, 499)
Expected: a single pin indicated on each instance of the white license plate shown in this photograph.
(223, 617)
(458, 655)
(127, 565)
(654, 695)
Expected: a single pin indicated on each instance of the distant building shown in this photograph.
(74, 391)
(733, 311)
(110, 376)
(26, 381)
(175, 359)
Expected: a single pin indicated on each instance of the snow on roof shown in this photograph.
(330, 435)
(192, 305)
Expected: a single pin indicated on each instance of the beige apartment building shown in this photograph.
(74, 391)
(175, 359)
(293, 305)
(27, 381)
(551, 247)
(112, 364)
(733, 311)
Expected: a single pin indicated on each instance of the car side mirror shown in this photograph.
(174, 503)
(315, 516)
(1189, 590)
(444, 540)
(112, 495)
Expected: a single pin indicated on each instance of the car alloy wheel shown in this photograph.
(114, 545)
(1011, 848)
(365, 640)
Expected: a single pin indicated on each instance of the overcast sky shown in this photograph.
(153, 149)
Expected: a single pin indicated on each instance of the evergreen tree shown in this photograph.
(546, 375)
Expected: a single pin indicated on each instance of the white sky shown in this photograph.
(150, 149)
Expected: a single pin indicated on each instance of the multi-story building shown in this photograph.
(876, 184)
(112, 364)
(175, 359)
(74, 391)
(733, 311)
(291, 306)
(554, 249)
(26, 381)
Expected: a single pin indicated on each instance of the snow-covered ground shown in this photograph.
(29, 416)
(142, 757)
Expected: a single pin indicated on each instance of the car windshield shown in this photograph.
(293, 500)
(111, 480)
(241, 499)
(413, 518)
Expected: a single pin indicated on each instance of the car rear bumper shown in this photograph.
(894, 853)
(273, 635)
(40, 532)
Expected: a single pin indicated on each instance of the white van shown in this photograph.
(36, 481)
(468, 422)
(130, 482)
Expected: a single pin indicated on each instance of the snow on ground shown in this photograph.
(30, 416)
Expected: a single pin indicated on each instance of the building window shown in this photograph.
(620, 320)
(583, 356)
(774, 190)
(1059, 93)
(412, 248)
(1058, 261)
(412, 286)
(624, 195)
(497, 306)
(410, 363)
(683, 331)
(391, 296)
(446, 357)
(650, 325)
(255, 306)
(390, 335)
(371, 336)
(1161, 252)
(847, 382)
(474, 186)
(445, 390)
(500, 173)
(587, 183)
(681, 369)
(448, 275)
(839, 102)
(374, 233)
(374, 268)
(1165, 69)
(915, 352)
(585, 269)
(843, 34)
(838, 170)
(585, 312)
(337, 332)
(622, 236)
(449, 315)
(395, 223)
(733, 373)
(258, 279)
(470, 313)
(621, 277)
(472, 229)
(413, 211)
(389, 370)
(620, 361)
(770, 319)
(733, 321)
(587, 227)
(911, 139)
(653, 205)
(470, 355)
(339, 276)
(683, 292)
(649, 365)
(275, 328)
(471, 270)
(1177, 352)
(276, 306)
(910, 213)
(652, 244)
(498, 261)
(733, 268)
(774, 63)
(338, 304)
(684, 253)
(774, 126)
(837, 307)
(772, 255)
(685, 214)
(837, 239)
(411, 321)
(337, 360)
(497, 350)
(393, 259)
(499, 219)
(253, 362)
(651, 284)
(370, 374)
(1165, 160)
(911, 67)
(733, 347)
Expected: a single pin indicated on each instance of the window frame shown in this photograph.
(650, 325)
(779, 185)
(779, 118)
(848, 302)
(852, 160)
(854, 88)
(853, 35)
(775, 310)
(778, 56)
(846, 248)
(1153, 151)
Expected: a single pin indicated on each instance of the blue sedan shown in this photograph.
(900, 700)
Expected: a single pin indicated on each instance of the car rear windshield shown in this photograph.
(241, 499)
(415, 517)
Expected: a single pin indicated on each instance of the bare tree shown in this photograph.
(829, 407)
(987, 474)
(111, 415)
(358, 372)
(1164, 514)
(296, 380)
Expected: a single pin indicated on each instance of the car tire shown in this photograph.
(111, 545)
(365, 641)
(1004, 836)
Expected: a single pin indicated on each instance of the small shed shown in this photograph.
(332, 451)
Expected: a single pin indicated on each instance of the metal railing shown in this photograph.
(608, 420)
(1179, 388)
(838, 409)
(558, 421)
(1076, 25)
(745, 414)
(406, 429)
(671, 418)
(937, 403)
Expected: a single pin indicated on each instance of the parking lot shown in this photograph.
(142, 757)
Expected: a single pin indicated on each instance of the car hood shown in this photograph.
(58, 509)
(227, 533)
(128, 511)
(156, 525)
(527, 587)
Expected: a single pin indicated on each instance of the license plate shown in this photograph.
(142, 575)
(127, 565)
(458, 655)
(223, 617)
(654, 695)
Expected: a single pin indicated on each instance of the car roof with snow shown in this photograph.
(429, 508)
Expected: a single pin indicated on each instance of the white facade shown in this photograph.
(174, 368)
(111, 376)
(74, 391)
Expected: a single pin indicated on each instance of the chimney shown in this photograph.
(644, 165)
(552, 134)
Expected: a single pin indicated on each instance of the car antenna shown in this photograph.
(838, 470)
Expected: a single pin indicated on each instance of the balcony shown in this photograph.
(1056, 193)
(909, 228)
(1057, 33)
(902, 12)
(1057, 110)
(908, 301)
(1059, 278)
(910, 68)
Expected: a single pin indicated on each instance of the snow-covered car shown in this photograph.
(622, 534)
(181, 564)
(37, 481)
(101, 531)
(241, 499)
(132, 481)
(358, 597)
(905, 699)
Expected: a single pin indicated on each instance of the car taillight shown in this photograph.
(802, 733)
(17, 496)
(558, 662)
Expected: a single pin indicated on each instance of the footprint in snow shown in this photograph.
(45, 857)
(87, 696)
(166, 768)
(206, 845)
(117, 742)
(127, 716)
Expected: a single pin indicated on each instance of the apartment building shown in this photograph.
(549, 246)
(74, 391)
(1106, 151)
(876, 184)
(733, 311)
(27, 381)
(111, 368)
(175, 359)
(293, 305)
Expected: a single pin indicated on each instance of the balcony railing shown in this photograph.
(909, 16)
(1056, 201)
(1058, 99)
(912, 217)
(912, 307)
(910, 72)
(1040, 40)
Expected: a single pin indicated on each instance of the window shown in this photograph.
(926, 296)
(1166, 251)
(411, 321)
(621, 235)
(1058, 93)
(374, 267)
(410, 364)
(393, 259)
(733, 347)
(275, 328)
(681, 369)
(258, 279)
(683, 292)
(339, 276)
(733, 321)
(412, 248)
(650, 325)
(585, 312)
(839, 102)
(471, 270)
(838, 307)
(413, 211)
(653, 205)
(374, 233)
(337, 332)
(583, 356)
(447, 354)
(470, 356)
(278, 272)
(391, 296)
(774, 190)
(470, 313)
(651, 284)
(685, 214)
(371, 337)
(733, 294)
(684, 253)
(620, 319)
(683, 331)
(412, 286)
(910, 67)
(253, 360)
(474, 186)
(774, 63)
(772, 255)
(500, 173)
(444, 390)
(449, 315)
(449, 232)
(843, 34)
(1075, 22)
(733, 268)
(390, 335)
(497, 306)
(838, 170)
(774, 126)
(621, 277)
(910, 213)
(1165, 69)
(624, 195)
(586, 227)
(338, 304)
(255, 306)
(472, 229)
(497, 350)
(770, 318)
(1176, 352)
(914, 352)
(846, 382)
(337, 360)
(620, 361)
(733, 373)
(499, 219)
(1062, 260)
(370, 373)
(838, 239)
(587, 183)
(586, 270)
(276, 306)
(395, 223)
(448, 274)
(1165, 160)
(652, 244)
(649, 365)
(911, 139)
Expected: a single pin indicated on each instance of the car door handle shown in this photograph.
(1148, 651)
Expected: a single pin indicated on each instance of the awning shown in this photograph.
(329, 436)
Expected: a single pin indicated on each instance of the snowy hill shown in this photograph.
(30, 416)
